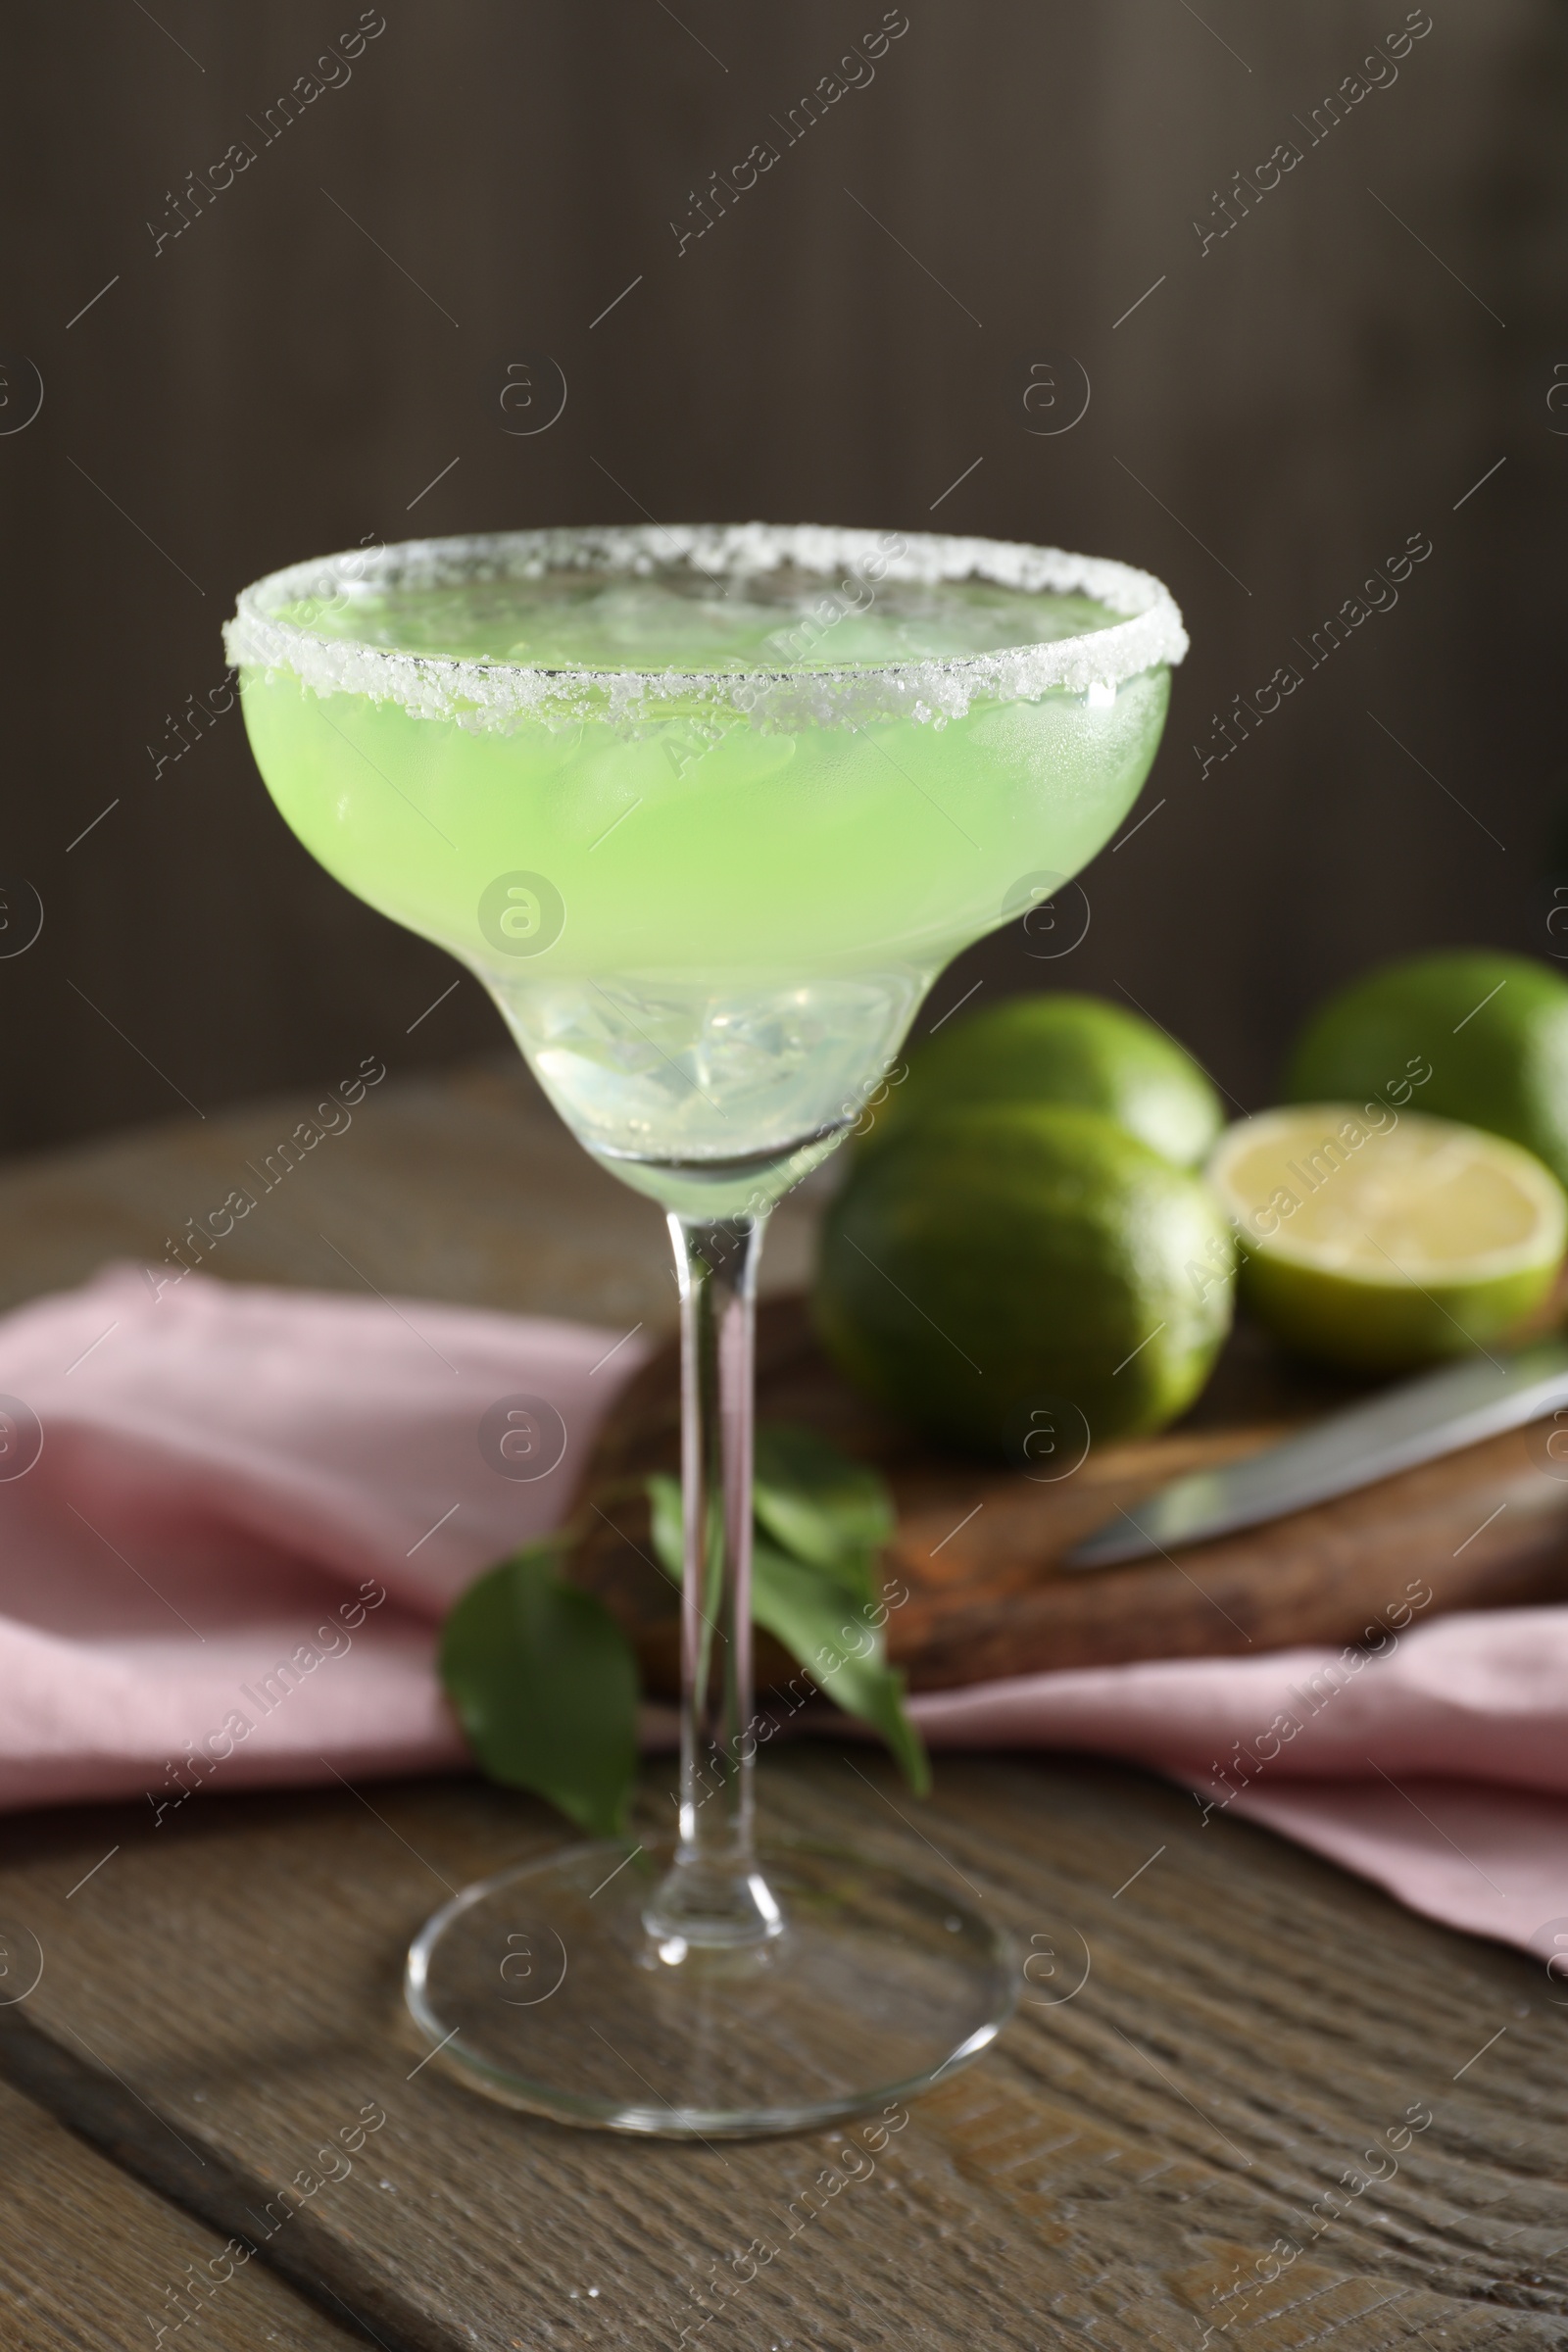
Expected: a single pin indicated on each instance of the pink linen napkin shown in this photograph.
(247, 1511)
(1435, 1766)
(231, 1520)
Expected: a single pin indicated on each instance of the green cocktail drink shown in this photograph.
(707, 810)
(711, 856)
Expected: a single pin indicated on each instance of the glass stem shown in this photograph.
(715, 1894)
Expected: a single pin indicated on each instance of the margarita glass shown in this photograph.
(707, 810)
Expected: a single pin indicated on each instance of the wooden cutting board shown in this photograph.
(977, 1549)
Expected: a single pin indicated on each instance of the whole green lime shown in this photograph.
(1059, 1047)
(1473, 1036)
(1005, 1277)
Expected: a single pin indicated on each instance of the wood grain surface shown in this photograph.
(91, 2256)
(975, 1563)
(1205, 2052)
(1214, 2030)
(465, 1187)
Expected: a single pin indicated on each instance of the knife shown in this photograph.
(1416, 1422)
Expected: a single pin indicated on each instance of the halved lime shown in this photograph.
(1379, 1240)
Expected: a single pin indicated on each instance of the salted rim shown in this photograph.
(1535, 1180)
(495, 696)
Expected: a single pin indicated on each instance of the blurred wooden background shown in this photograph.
(320, 356)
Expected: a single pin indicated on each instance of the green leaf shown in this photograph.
(804, 1606)
(819, 1505)
(667, 1525)
(815, 1587)
(544, 1683)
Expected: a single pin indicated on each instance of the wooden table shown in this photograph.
(1215, 2025)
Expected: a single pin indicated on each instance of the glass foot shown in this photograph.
(544, 1987)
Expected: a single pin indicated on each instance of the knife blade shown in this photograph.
(1418, 1422)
